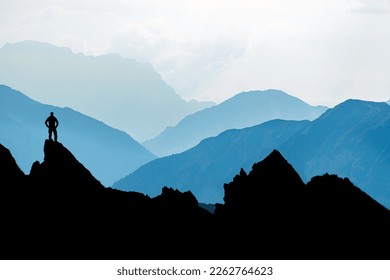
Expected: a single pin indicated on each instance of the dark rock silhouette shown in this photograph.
(63, 212)
(60, 211)
(329, 218)
(9, 170)
(61, 169)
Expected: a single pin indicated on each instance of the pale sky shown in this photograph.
(322, 52)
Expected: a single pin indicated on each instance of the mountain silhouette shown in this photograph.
(107, 152)
(243, 110)
(54, 170)
(329, 218)
(123, 93)
(349, 140)
(60, 211)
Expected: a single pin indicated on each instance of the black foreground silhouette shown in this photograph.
(60, 211)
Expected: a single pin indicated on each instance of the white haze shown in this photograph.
(320, 51)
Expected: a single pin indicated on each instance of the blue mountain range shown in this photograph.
(242, 110)
(108, 153)
(350, 140)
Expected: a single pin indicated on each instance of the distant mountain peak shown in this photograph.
(268, 93)
(351, 109)
(32, 45)
(360, 102)
(245, 109)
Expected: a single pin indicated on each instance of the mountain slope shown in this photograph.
(243, 110)
(107, 152)
(121, 92)
(350, 140)
(206, 167)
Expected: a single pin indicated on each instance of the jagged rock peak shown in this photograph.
(61, 166)
(55, 151)
(275, 168)
(275, 158)
(180, 199)
(273, 178)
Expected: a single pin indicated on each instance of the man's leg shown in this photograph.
(55, 134)
(50, 132)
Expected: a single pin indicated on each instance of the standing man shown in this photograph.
(52, 123)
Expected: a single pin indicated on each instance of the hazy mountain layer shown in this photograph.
(205, 168)
(107, 152)
(350, 140)
(243, 110)
(123, 93)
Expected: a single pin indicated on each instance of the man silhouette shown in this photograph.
(52, 123)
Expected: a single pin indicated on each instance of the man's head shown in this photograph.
(51, 113)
